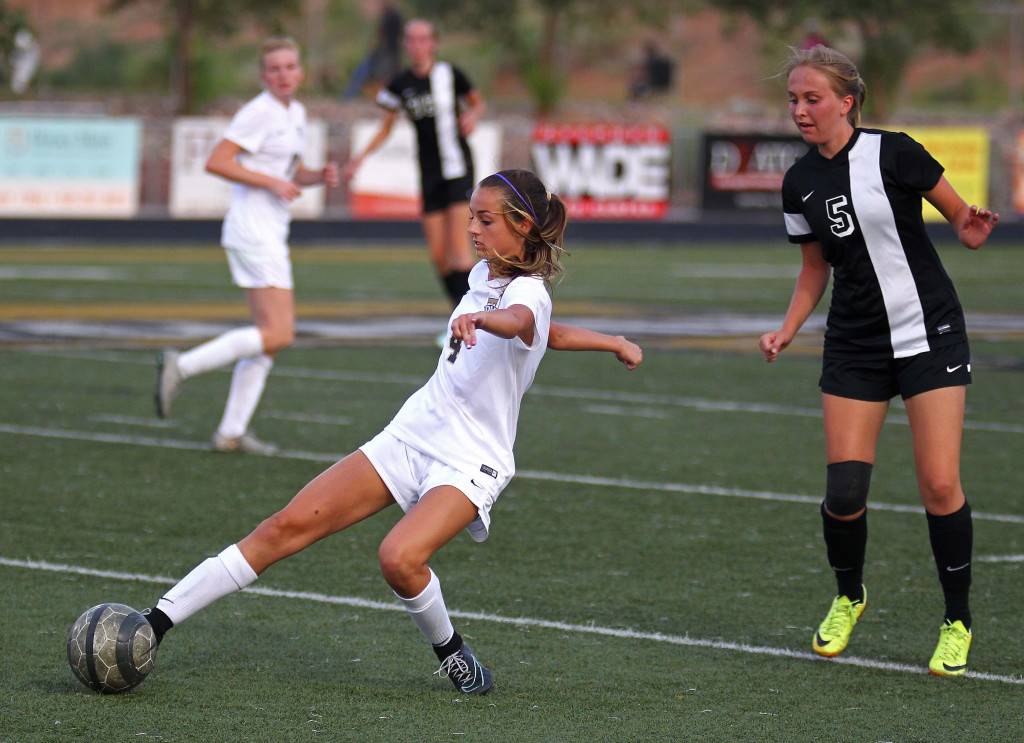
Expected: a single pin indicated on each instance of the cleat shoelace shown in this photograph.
(842, 615)
(952, 645)
(455, 668)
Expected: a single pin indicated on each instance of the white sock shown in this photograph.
(429, 613)
(226, 348)
(212, 579)
(246, 389)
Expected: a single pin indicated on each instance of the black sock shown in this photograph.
(456, 284)
(160, 623)
(952, 538)
(845, 544)
(449, 648)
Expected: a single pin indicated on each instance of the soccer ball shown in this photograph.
(111, 648)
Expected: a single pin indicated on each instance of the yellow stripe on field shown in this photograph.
(150, 311)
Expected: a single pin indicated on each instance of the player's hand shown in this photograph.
(350, 169)
(464, 327)
(286, 190)
(772, 344)
(331, 175)
(630, 354)
(977, 227)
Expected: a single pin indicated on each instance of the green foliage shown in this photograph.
(891, 32)
(538, 36)
(111, 65)
(195, 22)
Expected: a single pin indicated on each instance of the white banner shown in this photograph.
(194, 193)
(387, 184)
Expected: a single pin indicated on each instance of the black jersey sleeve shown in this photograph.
(916, 169)
(462, 83)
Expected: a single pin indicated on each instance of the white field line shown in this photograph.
(593, 481)
(618, 397)
(1001, 558)
(591, 629)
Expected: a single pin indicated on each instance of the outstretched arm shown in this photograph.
(378, 139)
(563, 337)
(973, 225)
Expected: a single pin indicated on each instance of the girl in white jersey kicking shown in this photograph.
(261, 153)
(447, 455)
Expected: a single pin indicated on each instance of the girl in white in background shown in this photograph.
(261, 153)
(447, 455)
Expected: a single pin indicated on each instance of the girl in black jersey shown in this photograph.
(444, 108)
(895, 326)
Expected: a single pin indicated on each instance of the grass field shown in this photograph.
(655, 570)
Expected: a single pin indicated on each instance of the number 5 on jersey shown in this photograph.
(842, 222)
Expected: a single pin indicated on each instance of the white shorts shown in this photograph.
(258, 271)
(409, 474)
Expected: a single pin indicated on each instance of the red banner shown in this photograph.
(606, 171)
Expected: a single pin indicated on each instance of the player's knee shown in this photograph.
(846, 489)
(277, 338)
(939, 491)
(397, 563)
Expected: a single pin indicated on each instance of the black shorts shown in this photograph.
(877, 380)
(439, 194)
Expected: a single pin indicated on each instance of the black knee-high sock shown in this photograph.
(845, 543)
(952, 538)
(456, 284)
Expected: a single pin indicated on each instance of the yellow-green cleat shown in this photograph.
(950, 657)
(834, 633)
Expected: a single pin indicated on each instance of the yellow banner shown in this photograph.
(964, 152)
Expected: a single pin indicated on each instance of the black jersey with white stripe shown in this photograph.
(891, 296)
(432, 104)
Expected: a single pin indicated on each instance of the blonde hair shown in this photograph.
(838, 68)
(274, 43)
(536, 215)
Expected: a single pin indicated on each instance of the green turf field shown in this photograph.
(655, 570)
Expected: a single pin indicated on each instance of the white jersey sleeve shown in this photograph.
(467, 413)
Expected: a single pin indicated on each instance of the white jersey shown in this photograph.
(466, 414)
(272, 137)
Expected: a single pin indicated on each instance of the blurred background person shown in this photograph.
(261, 152)
(444, 107)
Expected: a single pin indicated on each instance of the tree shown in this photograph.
(192, 21)
(891, 32)
(532, 32)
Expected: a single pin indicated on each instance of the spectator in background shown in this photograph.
(655, 75)
(384, 60)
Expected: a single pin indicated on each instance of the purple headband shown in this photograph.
(530, 208)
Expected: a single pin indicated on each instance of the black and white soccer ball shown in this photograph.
(111, 648)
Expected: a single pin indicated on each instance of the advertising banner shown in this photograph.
(606, 171)
(69, 167)
(744, 171)
(196, 194)
(387, 184)
(964, 152)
